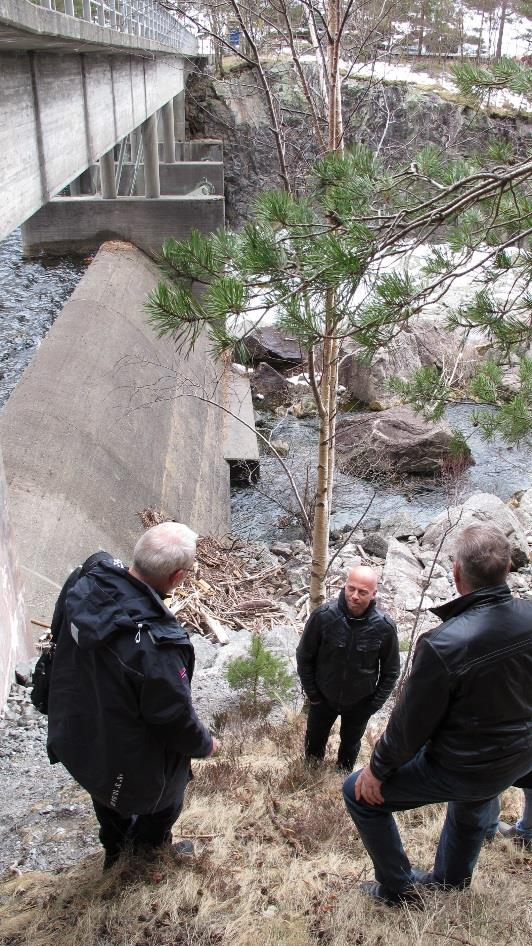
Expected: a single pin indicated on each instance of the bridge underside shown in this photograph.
(61, 113)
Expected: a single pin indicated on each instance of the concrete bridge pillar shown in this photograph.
(134, 143)
(150, 145)
(107, 175)
(179, 116)
(167, 116)
(75, 187)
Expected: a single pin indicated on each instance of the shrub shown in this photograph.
(260, 675)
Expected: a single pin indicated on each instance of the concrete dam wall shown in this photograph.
(102, 425)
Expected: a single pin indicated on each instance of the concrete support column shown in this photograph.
(107, 175)
(134, 143)
(167, 116)
(152, 183)
(87, 180)
(75, 187)
(179, 116)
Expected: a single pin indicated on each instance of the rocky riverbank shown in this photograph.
(47, 820)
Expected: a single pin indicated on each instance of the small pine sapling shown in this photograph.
(260, 675)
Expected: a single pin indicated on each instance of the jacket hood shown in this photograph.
(451, 609)
(107, 601)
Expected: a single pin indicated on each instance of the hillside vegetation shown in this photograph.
(278, 862)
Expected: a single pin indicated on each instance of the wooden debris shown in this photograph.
(222, 592)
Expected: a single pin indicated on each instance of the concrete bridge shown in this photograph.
(93, 127)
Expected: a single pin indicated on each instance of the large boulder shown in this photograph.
(270, 387)
(367, 382)
(273, 346)
(395, 440)
(482, 507)
(424, 343)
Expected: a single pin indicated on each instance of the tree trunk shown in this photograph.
(421, 37)
(329, 377)
(320, 531)
(500, 34)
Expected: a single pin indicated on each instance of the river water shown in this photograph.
(264, 512)
(33, 292)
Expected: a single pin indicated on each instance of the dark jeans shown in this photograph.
(422, 782)
(353, 722)
(136, 831)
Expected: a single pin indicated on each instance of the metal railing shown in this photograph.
(143, 18)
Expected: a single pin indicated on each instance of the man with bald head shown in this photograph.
(348, 663)
(120, 714)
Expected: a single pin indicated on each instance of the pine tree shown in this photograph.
(260, 674)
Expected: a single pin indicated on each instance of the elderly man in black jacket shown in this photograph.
(120, 714)
(348, 662)
(462, 729)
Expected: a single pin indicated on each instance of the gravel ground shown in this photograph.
(47, 820)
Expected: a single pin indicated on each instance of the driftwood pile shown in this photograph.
(223, 591)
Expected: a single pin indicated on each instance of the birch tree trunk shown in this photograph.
(329, 376)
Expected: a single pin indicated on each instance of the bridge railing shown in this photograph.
(143, 18)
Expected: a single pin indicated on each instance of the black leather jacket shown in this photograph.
(468, 699)
(344, 659)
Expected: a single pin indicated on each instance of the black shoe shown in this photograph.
(408, 897)
(110, 860)
(344, 768)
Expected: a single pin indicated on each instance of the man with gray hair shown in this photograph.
(461, 731)
(120, 714)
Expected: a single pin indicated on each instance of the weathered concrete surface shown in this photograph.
(60, 112)
(98, 428)
(24, 25)
(240, 444)
(15, 641)
(81, 224)
(176, 179)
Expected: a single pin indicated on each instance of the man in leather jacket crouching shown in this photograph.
(462, 730)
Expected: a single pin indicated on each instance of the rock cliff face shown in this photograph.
(233, 109)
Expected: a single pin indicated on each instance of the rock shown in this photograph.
(481, 507)
(205, 650)
(368, 382)
(371, 524)
(281, 548)
(282, 447)
(282, 640)
(374, 543)
(270, 345)
(524, 510)
(403, 574)
(274, 389)
(425, 342)
(305, 407)
(400, 525)
(395, 440)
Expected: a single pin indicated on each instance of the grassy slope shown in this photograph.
(278, 863)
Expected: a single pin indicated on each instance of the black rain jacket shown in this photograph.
(344, 660)
(120, 715)
(468, 699)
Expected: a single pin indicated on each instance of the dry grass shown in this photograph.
(278, 865)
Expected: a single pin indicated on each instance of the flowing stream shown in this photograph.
(498, 469)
